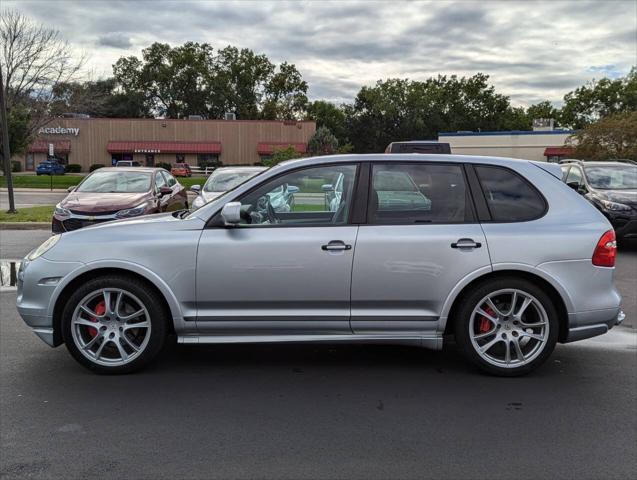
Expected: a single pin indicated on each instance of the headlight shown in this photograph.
(62, 212)
(615, 207)
(132, 212)
(45, 247)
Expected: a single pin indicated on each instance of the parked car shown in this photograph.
(418, 146)
(128, 163)
(114, 193)
(181, 170)
(49, 167)
(508, 259)
(220, 181)
(611, 187)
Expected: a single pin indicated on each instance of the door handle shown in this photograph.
(466, 243)
(336, 245)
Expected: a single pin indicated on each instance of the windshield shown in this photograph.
(615, 177)
(116, 182)
(224, 181)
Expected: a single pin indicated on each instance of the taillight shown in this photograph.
(606, 250)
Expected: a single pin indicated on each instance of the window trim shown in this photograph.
(524, 179)
(470, 216)
(215, 219)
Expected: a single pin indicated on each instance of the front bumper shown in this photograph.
(61, 224)
(39, 284)
(625, 225)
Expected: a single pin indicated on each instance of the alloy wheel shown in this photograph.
(509, 328)
(111, 327)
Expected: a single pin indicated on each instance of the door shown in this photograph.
(283, 270)
(420, 240)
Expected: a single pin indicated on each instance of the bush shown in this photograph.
(16, 166)
(95, 166)
(164, 165)
(73, 168)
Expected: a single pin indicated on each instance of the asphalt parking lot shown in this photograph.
(317, 411)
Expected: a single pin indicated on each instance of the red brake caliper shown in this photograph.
(485, 323)
(100, 308)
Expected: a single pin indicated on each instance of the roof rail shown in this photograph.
(626, 160)
(569, 160)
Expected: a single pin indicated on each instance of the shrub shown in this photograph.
(95, 166)
(16, 166)
(73, 168)
(164, 165)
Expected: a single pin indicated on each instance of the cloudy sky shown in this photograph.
(532, 50)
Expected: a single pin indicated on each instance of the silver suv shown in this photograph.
(497, 252)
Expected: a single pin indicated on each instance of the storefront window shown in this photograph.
(180, 158)
(150, 160)
(207, 160)
(116, 157)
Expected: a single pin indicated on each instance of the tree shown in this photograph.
(401, 109)
(34, 59)
(323, 142)
(100, 98)
(612, 137)
(282, 154)
(331, 116)
(543, 109)
(193, 79)
(599, 99)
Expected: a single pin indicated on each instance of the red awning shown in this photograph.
(164, 147)
(558, 151)
(268, 148)
(42, 146)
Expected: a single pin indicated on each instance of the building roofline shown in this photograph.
(507, 132)
(180, 120)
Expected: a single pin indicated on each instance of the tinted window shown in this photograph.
(612, 177)
(160, 181)
(318, 195)
(574, 176)
(509, 196)
(170, 180)
(418, 193)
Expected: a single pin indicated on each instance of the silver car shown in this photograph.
(220, 181)
(506, 258)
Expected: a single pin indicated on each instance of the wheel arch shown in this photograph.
(452, 305)
(85, 274)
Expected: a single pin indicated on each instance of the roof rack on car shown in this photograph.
(626, 160)
(569, 160)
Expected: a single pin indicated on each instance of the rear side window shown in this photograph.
(510, 198)
(416, 193)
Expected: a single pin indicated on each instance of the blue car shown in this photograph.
(50, 167)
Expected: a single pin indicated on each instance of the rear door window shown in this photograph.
(510, 197)
(418, 193)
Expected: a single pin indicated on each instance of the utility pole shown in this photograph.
(6, 151)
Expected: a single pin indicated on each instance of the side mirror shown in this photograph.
(70, 189)
(328, 187)
(196, 189)
(231, 213)
(581, 189)
(293, 189)
(165, 191)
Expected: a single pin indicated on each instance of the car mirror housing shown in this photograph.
(196, 189)
(231, 213)
(293, 189)
(328, 187)
(165, 191)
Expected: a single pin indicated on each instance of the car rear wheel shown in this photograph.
(114, 324)
(507, 326)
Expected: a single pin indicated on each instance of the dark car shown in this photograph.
(50, 167)
(418, 146)
(118, 192)
(611, 187)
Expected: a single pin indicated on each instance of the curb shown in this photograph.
(25, 225)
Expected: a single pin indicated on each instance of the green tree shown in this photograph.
(323, 142)
(543, 109)
(193, 79)
(612, 137)
(19, 120)
(599, 99)
(331, 116)
(281, 154)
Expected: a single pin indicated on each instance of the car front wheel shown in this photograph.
(507, 326)
(114, 324)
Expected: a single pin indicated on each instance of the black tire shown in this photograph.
(159, 319)
(471, 300)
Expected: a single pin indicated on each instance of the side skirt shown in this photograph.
(433, 342)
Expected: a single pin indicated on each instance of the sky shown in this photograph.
(532, 50)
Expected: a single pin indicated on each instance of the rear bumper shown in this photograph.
(601, 322)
